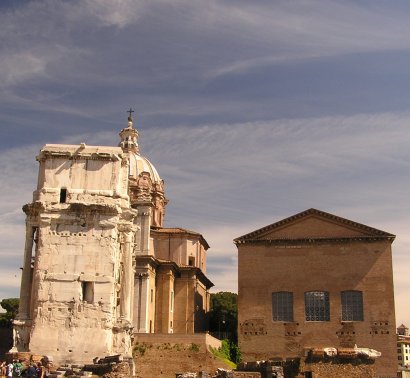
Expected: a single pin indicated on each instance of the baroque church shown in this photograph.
(99, 266)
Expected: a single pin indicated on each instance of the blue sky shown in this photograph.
(250, 111)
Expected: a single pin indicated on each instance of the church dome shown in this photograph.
(139, 164)
(145, 186)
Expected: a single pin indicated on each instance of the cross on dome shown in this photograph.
(129, 135)
(130, 116)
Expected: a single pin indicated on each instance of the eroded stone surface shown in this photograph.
(98, 264)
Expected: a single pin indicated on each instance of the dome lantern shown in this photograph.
(129, 136)
(146, 188)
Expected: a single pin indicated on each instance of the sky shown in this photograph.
(251, 111)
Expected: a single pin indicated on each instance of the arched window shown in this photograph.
(352, 305)
(282, 306)
(317, 306)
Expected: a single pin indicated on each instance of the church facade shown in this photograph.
(316, 280)
(99, 265)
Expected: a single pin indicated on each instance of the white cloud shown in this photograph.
(118, 13)
(9, 283)
(228, 179)
(225, 174)
(18, 177)
(73, 62)
(301, 31)
(19, 66)
(61, 38)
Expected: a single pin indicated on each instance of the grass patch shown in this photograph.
(141, 348)
(223, 354)
(194, 347)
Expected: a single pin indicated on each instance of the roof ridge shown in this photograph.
(372, 231)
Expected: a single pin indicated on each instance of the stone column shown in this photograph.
(145, 224)
(128, 276)
(25, 289)
(141, 301)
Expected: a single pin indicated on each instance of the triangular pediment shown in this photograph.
(314, 224)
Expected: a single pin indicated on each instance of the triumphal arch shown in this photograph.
(99, 265)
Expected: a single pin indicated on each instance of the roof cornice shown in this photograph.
(173, 231)
(372, 232)
(304, 241)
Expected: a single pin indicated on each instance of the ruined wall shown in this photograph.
(338, 370)
(76, 285)
(90, 175)
(73, 284)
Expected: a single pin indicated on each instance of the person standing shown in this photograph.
(40, 370)
(3, 369)
(17, 368)
(10, 368)
(31, 371)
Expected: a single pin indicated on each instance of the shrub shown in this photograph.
(194, 347)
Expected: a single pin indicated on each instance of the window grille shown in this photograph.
(282, 306)
(352, 305)
(317, 306)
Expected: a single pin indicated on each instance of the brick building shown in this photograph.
(316, 280)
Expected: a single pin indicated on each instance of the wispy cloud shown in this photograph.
(258, 34)
(251, 111)
(244, 176)
(118, 13)
(228, 179)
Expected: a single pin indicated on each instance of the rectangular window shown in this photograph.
(34, 231)
(282, 306)
(87, 291)
(317, 307)
(191, 261)
(352, 305)
(63, 195)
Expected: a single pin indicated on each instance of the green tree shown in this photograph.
(11, 305)
(223, 321)
(224, 314)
